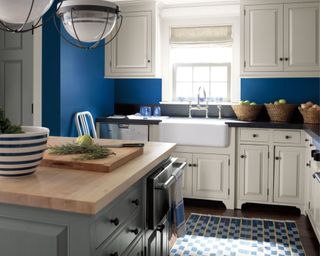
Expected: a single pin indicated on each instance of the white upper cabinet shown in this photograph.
(280, 39)
(133, 52)
(263, 38)
(301, 37)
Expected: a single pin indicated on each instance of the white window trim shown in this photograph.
(167, 71)
(201, 64)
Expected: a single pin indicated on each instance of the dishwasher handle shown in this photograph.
(173, 178)
(316, 176)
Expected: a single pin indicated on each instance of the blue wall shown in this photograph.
(72, 81)
(83, 86)
(138, 91)
(294, 90)
(51, 76)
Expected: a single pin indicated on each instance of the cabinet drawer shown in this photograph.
(287, 137)
(257, 135)
(131, 230)
(118, 214)
(137, 249)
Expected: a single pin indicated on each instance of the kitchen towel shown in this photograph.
(177, 206)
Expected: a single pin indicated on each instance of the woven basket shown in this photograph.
(310, 115)
(280, 112)
(247, 112)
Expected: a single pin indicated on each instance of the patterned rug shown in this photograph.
(216, 235)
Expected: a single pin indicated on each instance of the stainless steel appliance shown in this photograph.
(158, 205)
(126, 132)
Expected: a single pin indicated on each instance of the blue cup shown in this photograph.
(145, 111)
(157, 111)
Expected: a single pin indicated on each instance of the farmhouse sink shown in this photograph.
(195, 131)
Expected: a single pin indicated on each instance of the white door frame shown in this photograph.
(37, 77)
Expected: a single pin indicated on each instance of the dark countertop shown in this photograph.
(312, 129)
(126, 120)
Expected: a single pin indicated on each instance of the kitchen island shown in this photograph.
(63, 212)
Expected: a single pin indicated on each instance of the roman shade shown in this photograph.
(201, 35)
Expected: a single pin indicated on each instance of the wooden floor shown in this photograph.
(308, 238)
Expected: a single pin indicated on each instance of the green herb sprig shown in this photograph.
(86, 152)
(6, 127)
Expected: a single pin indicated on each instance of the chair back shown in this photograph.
(83, 127)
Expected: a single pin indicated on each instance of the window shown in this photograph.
(214, 78)
(201, 56)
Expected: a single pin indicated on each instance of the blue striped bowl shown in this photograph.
(20, 154)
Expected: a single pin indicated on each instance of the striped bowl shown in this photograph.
(20, 154)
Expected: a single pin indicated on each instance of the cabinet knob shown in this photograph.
(115, 221)
(308, 164)
(281, 59)
(286, 59)
(288, 137)
(149, 61)
(134, 231)
(190, 165)
(114, 254)
(277, 158)
(135, 202)
(195, 165)
(243, 156)
(255, 135)
(311, 145)
(306, 140)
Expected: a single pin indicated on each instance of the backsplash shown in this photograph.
(138, 91)
(294, 90)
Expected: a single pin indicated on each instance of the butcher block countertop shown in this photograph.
(77, 191)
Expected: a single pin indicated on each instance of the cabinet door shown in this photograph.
(253, 173)
(263, 38)
(289, 175)
(131, 49)
(19, 237)
(211, 176)
(187, 175)
(301, 37)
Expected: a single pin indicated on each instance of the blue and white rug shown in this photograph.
(229, 236)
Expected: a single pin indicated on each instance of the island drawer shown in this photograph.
(256, 135)
(287, 137)
(129, 233)
(115, 217)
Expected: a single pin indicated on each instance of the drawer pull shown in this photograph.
(308, 164)
(277, 158)
(195, 165)
(243, 156)
(114, 254)
(288, 137)
(311, 145)
(134, 231)
(255, 135)
(115, 221)
(190, 165)
(135, 202)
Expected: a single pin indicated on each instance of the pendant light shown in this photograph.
(89, 22)
(15, 15)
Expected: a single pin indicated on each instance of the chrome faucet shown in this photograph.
(219, 109)
(204, 94)
(198, 106)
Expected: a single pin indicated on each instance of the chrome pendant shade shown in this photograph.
(16, 15)
(88, 22)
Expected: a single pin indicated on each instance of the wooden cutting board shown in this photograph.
(122, 156)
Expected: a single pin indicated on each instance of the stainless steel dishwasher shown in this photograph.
(118, 131)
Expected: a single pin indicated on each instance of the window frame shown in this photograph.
(223, 64)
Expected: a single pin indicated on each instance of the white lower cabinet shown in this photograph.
(211, 176)
(289, 174)
(207, 176)
(253, 172)
(272, 170)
